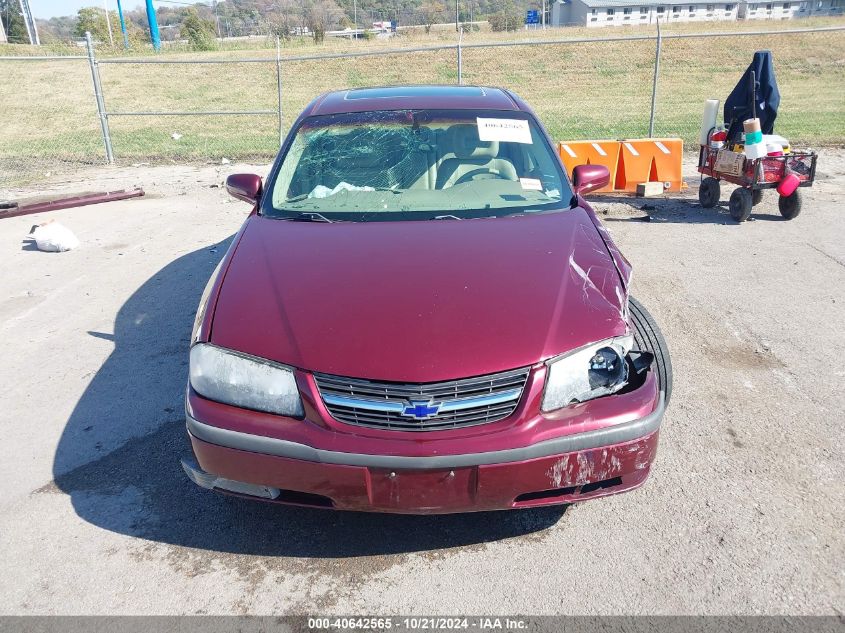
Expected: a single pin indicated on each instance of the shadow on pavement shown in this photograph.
(680, 210)
(118, 457)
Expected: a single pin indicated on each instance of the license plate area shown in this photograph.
(422, 489)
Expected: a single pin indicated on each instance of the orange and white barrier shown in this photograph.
(605, 153)
(630, 162)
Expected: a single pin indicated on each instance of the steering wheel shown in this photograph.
(479, 174)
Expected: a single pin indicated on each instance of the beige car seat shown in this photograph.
(466, 154)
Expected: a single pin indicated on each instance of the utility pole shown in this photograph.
(217, 19)
(31, 28)
(3, 39)
(108, 21)
(151, 18)
(122, 25)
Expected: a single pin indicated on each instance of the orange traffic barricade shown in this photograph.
(574, 153)
(649, 160)
(630, 162)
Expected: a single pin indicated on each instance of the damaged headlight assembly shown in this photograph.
(589, 372)
(244, 381)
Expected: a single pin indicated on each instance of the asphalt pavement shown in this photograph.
(744, 512)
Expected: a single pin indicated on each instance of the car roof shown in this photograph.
(415, 97)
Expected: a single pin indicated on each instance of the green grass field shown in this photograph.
(580, 90)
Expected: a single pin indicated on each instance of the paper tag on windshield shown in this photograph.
(504, 130)
(531, 183)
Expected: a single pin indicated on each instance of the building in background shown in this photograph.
(596, 13)
(766, 10)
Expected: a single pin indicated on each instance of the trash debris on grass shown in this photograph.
(225, 161)
(176, 136)
(53, 237)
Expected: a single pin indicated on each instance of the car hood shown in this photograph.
(419, 301)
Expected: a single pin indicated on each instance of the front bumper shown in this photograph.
(573, 467)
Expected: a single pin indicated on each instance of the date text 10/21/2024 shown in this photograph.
(417, 624)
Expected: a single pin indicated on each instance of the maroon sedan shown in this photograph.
(422, 314)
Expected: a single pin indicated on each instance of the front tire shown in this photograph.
(790, 206)
(709, 192)
(649, 338)
(740, 204)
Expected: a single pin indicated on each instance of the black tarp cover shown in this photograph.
(738, 104)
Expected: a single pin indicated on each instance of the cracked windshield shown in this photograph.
(417, 164)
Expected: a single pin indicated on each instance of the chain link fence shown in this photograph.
(48, 118)
(173, 109)
(810, 70)
(591, 90)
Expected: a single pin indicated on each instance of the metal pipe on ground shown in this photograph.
(13, 210)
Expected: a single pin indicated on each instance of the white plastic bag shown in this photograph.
(53, 237)
(321, 191)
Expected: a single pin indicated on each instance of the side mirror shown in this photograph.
(586, 178)
(246, 187)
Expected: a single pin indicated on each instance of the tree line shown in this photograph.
(202, 24)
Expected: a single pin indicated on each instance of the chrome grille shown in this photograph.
(460, 403)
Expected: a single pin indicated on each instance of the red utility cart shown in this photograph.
(753, 177)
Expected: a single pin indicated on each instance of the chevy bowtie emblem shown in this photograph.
(421, 409)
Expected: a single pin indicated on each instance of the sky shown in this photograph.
(52, 8)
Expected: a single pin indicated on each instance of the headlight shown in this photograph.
(244, 381)
(592, 371)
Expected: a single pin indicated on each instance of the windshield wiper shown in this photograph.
(448, 216)
(310, 216)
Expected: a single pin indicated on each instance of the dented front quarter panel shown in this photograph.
(623, 266)
(608, 278)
